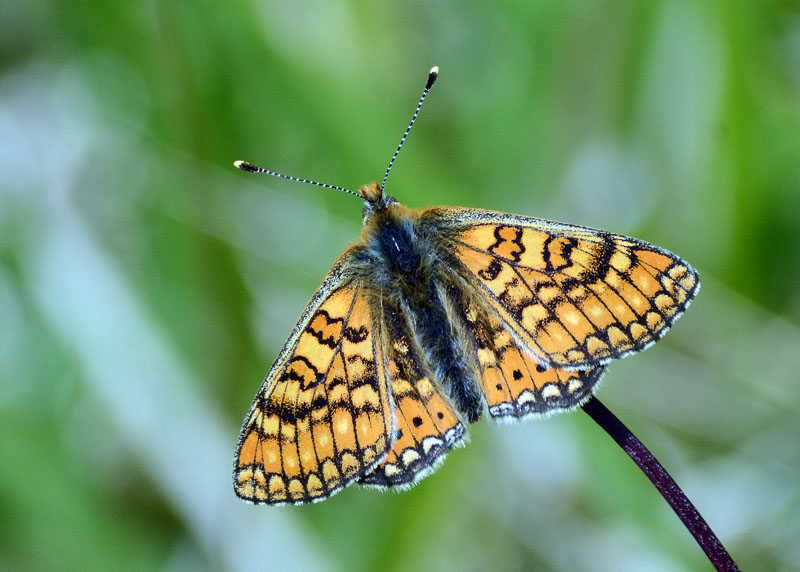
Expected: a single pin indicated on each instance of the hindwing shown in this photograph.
(426, 426)
(515, 383)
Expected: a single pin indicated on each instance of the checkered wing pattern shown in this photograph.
(517, 384)
(322, 417)
(425, 425)
(574, 296)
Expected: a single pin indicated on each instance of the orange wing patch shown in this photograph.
(322, 418)
(518, 385)
(426, 427)
(575, 296)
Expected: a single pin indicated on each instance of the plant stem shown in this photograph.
(666, 485)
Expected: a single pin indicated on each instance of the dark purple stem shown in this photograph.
(666, 485)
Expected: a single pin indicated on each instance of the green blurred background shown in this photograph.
(146, 285)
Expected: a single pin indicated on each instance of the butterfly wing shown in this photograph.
(574, 296)
(322, 417)
(515, 383)
(425, 425)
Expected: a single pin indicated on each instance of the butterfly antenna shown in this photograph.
(432, 75)
(250, 168)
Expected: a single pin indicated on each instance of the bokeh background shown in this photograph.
(146, 285)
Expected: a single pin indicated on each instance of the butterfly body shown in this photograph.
(432, 319)
(408, 269)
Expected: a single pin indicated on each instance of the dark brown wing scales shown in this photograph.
(575, 296)
(322, 417)
(515, 383)
(425, 425)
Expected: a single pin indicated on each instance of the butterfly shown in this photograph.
(434, 319)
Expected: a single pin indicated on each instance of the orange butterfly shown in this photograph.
(433, 318)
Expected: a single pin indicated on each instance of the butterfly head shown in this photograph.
(374, 199)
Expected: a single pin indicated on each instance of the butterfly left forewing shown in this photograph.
(322, 417)
(574, 296)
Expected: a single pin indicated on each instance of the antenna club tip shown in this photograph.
(245, 166)
(432, 75)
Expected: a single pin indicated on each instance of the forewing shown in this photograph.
(515, 383)
(576, 297)
(322, 417)
(426, 426)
